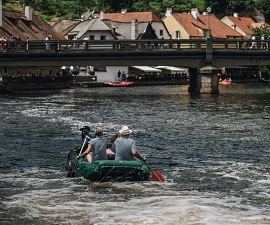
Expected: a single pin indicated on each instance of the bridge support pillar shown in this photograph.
(205, 81)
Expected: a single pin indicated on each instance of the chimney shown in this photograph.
(195, 12)
(168, 12)
(123, 11)
(101, 15)
(29, 13)
(235, 15)
(134, 29)
(1, 14)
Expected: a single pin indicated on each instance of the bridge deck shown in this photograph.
(191, 53)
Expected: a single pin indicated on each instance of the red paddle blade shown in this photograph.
(157, 176)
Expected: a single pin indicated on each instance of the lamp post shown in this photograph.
(197, 14)
(209, 10)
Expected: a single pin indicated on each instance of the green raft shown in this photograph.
(107, 170)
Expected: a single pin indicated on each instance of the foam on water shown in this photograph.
(74, 206)
(45, 197)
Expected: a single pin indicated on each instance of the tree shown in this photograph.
(218, 7)
(264, 5)
(141, 6)
(241, 5)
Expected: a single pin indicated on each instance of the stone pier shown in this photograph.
(205, 81)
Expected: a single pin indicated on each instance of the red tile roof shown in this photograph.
(259, 25)
(189, 23)
(218, 28)
(244, 23)
(130, 16)
(15, 23)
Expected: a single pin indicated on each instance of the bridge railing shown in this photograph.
(240, 44)
(99, 45)
(67, 46)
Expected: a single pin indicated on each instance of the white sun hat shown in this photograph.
(125, 130)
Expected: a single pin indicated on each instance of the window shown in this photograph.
(91, 37)
(103, 37)
(161, 32)
(177, 34)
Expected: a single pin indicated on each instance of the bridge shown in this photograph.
(201, 56)
(189, 53)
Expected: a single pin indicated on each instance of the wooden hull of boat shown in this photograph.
(108, 170)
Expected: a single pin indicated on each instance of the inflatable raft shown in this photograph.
(107, 170)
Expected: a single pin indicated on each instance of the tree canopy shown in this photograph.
(74, 8)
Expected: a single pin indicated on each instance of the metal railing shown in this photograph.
(127, 45)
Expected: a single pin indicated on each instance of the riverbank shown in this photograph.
(10, 88)
(48, 86)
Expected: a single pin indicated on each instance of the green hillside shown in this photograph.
(74, 8)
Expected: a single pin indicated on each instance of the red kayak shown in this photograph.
(119, 84)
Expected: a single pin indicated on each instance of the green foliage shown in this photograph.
(141, 6)
(264, 5)
(262, 31)
(74, 8)
(265, 70)
(242, 5)
(47, 18)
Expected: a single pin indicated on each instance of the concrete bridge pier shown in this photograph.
(204, 80)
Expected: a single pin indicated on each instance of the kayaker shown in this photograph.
(126, 147)
(87, 134)
(96, 148)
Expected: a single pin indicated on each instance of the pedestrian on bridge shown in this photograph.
(253, 44)
(47, 44)
(262, 43)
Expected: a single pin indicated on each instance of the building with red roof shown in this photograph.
(146, 18)
(194, 25)
(243, 25)
(25, 25)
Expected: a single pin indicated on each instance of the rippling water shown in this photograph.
(213, 151)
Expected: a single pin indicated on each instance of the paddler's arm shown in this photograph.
(138, 155)
(85, 152)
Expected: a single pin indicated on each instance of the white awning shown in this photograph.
(147, 69)
(171, 68)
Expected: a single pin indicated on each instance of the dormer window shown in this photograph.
(13, 21)
(27, 23)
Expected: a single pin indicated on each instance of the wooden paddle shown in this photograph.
(156, 175)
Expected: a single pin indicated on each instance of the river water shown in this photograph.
(213, 151)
